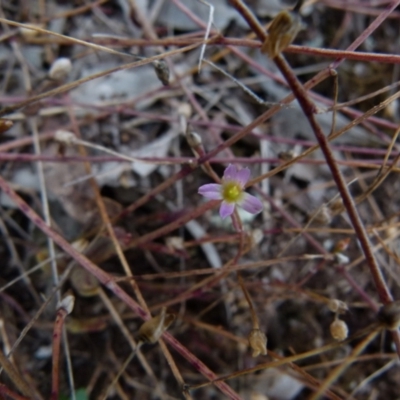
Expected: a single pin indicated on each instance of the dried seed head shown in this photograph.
(29, 33)
(339, 329)
(162, 71)
(281, 32)
(151, 330)
(323, 215)
(67, 303)
(341, 245)
(175, 243)
(336, 207)
(391, 231)
(65, 137)
(286, 155)
(337, 306)
(389, 315)
(60, 69)
(258, 342)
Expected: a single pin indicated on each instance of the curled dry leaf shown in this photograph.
(258, 342)
(151, 330)
(282, 31)
(162, 71)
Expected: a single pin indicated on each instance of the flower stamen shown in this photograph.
(231, 192)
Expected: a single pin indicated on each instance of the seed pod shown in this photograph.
(281, 32)
(60, 69)
(5, 124)
(286, 155)
(184, 110)
(151, 330)
(258, 342)
(194, 139)
(337, 306)
(339, 329)
(162, 71)
(65, 137)
(389, 315)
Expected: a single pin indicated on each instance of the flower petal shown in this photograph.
(230, 173)
(251, 204)
(243, 176)
(226, 209)
(211, 191)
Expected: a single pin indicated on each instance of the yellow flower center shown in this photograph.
(231, 192)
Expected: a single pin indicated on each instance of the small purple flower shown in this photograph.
(231, 192)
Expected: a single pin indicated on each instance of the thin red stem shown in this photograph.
(57, 335)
